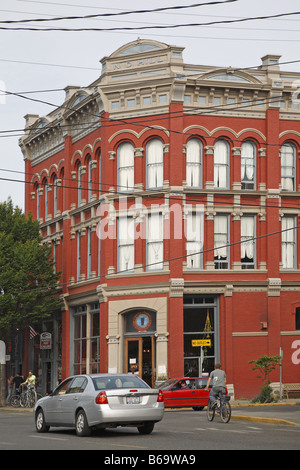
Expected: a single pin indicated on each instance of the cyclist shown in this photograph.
(218, 379)
(30, 381)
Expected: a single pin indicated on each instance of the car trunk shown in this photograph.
(132, 398)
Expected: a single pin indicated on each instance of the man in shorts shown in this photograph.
(218, 379)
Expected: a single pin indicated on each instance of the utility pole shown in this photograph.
(2, 374)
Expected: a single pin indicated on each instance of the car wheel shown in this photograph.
(146, 428)
(40, 423)
(198, 408)
(81, 425)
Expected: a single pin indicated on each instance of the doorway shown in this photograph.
(139, 357)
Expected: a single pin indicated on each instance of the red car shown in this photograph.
(186, 391)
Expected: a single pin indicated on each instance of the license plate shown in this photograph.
(132, 400)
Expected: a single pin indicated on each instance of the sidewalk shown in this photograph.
(284, 412)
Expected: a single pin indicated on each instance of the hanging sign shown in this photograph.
(45, 340)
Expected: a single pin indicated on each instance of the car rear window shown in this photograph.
(165, 385)
(118, 382)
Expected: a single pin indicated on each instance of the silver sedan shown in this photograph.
(87, 402)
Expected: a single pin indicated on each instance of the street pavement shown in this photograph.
(285, 412)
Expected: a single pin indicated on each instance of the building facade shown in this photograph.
(170, 195)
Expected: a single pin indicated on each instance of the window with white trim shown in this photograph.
(54, 195)
(125, 244)
(79, 183)
(194, 239)
(155, 164)
(154, 243)
(248, 245)
(78, 254)
(248, 157)
(288, 167)
(288, 242)
(125, 167)
(90, 182)
(221, 241)
(89, 252)
(221, 164)
(193, 163)
(46, 189)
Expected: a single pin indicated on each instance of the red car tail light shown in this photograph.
(160, 397)
(101, 399)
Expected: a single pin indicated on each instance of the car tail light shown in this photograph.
(101, 399)
(160, 397)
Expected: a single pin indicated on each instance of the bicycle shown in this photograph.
(222, 406)
(28, 397)
(25, 399)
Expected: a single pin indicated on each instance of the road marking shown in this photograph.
(124, 445)
(48, 438)
(7, 444)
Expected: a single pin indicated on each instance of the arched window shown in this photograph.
(79, 183)
(125, 167)
(46, 187)
(54, 183)
(90, 182)
(155, 164)
(248, 159)
(288, 166)
(221, 164)
(37, 191)
(193, 163)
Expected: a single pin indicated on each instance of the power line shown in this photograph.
(151, 193)
(175, 258)
(129, 28)
(122, 13)
(142, 122)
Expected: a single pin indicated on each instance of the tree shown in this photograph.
(265, 364)
(28, 283)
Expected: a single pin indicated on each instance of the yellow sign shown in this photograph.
(201, 342)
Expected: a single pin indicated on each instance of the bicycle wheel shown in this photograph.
(210, 411)
(15, 401)
(23, 399)
(31, 398)
(225, 411)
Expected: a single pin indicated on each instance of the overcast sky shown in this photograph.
(39, 60)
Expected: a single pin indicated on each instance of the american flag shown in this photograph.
(32, 332)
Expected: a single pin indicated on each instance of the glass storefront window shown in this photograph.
(200, 334)
(86, 339)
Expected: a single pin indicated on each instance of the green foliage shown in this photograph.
(265, 395)
(265, 365)
(27, 278)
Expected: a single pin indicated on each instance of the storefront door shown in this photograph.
(139, 357)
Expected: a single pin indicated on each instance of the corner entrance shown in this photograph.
(139, 357)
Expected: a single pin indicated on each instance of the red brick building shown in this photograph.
(170, 195)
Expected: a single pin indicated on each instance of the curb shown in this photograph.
(18, 410)
(259, 419)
